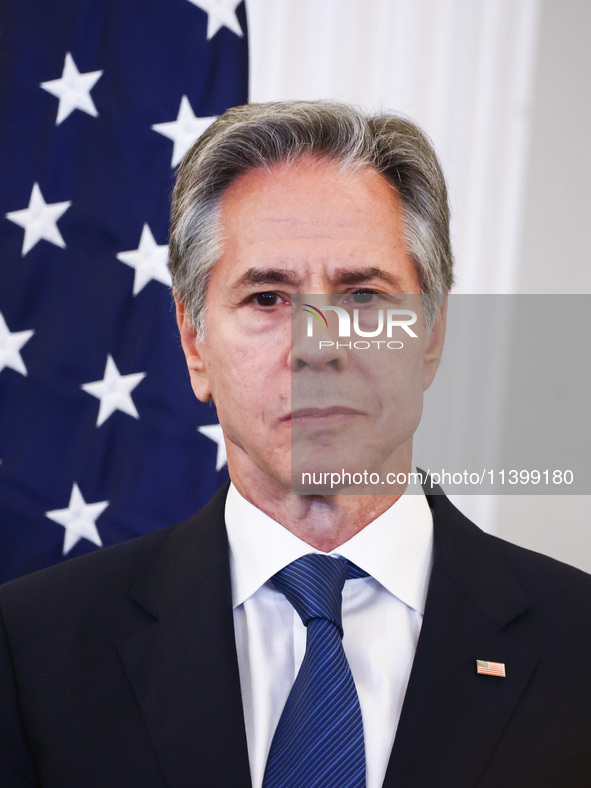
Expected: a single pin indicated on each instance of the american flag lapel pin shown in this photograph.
(486, 668)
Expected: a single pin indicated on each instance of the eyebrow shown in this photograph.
(342, 276)
(345, 276)
(267, 276)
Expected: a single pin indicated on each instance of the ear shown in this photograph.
(434, 346)
(193, 348)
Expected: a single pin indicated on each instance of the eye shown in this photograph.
(265, 299)
(363, 296)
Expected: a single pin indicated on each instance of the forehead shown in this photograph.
(313, 217)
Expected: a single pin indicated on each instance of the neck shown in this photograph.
(323, 521)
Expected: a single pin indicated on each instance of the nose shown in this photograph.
(323, 350)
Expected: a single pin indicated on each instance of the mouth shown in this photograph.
(322, 416)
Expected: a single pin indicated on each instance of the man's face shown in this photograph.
(306, 229)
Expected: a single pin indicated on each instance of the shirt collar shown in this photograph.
(395, 548)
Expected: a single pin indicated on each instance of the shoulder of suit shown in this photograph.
(538, 575)
(540, 570)
(101, 577)
(105, 571)
(117, 564)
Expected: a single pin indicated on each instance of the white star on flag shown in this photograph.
(39, 220)
(214, 433)
(114, 391)
(73, 90)
(79, 520)
(10, 346)
(184, 130)
(220, 13)
(149, 261)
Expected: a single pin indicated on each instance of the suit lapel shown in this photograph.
(183, 667)
(452, 717)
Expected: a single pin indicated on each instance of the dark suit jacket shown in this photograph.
(119, 669)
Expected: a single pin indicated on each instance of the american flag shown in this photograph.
(101, 438)
(486, 668)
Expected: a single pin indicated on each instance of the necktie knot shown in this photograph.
(314, 584)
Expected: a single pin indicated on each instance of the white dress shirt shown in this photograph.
(382, 617)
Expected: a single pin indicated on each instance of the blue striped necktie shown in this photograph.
(318, 742)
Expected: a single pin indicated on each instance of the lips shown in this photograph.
(320, 414)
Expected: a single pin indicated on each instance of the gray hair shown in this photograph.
(261, 135)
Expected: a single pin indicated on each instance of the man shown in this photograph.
(189, 657)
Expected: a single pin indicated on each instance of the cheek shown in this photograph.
(399, 370)
(395, 383)
(246, 385)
